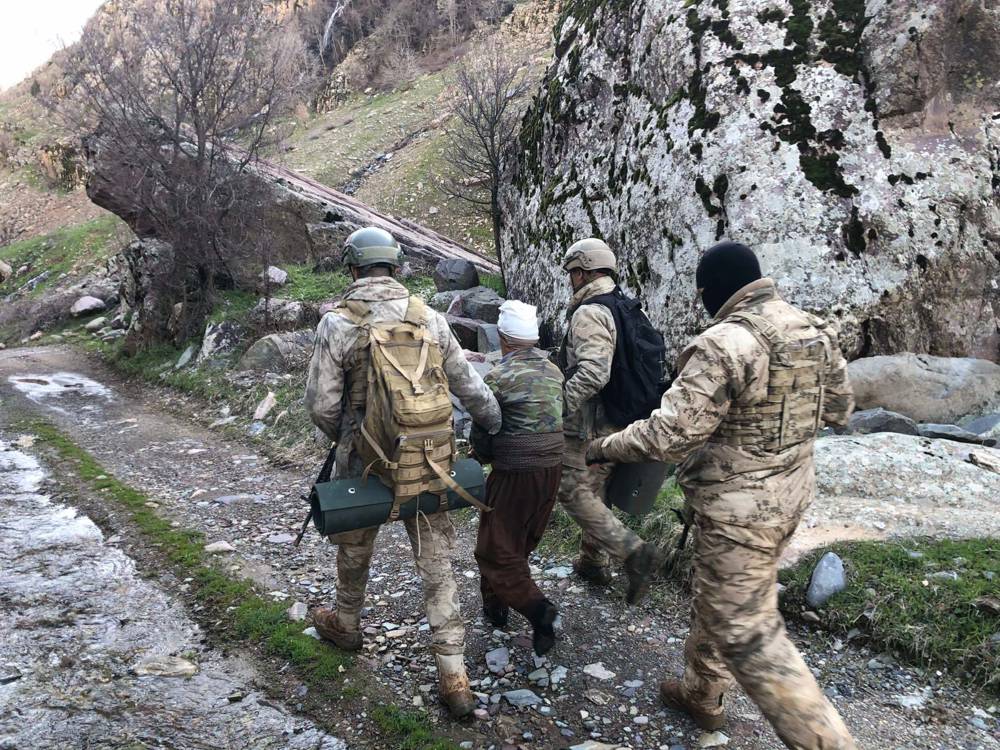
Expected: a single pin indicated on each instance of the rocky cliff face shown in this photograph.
(855, 145)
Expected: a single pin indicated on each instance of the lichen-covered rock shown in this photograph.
(220, 339)
(283, 314)
(852, 143)
(279, 352)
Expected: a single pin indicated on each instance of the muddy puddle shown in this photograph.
(92, 656)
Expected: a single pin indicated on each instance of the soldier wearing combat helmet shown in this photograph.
(335, 398)
(586, 358)
(743, 414)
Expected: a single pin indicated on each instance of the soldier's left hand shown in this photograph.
(595, 453)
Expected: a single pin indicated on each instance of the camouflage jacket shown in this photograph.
(588, 351)
(728, 365)
(335, 339)
(529, 389)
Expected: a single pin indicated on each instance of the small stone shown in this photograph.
(481, 714)
(558, 675)
(713, 739)
(96, 324)
(312, 633)
(265, 406)
(217, 547)
(185, 358)
(498, 659)
(86, 306)
(522, 698)
(538, 674)
(297, 612)
(281, 538)
(640, 720)
(828, 578)
(810, 616)
(274, 276)
(166, 666)
(598, 671)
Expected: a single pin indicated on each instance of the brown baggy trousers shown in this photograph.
(522, 502)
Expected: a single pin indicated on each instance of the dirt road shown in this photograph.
(232, 494)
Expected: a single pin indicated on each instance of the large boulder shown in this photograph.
(279, 352)
(879, 420)
(220, 339)
(482, 303)
(455, 274)
(853, 145)
(926, 389)
(283, 314)
(87, 306)
(273, 276)
(465, 330)
(899, 485)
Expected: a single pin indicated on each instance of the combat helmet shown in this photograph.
(371, 246)
(590, 255)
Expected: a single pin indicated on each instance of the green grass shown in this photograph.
(494, 281)
(235, 602)
(409, 730)
(894, 598)
(59, 252)
(305, 286)
(233, 304)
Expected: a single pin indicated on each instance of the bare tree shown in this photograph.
(487, 110)
(176, 99)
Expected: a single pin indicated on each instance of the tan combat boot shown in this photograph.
(453, 685)
(328, 625)
(673, 696)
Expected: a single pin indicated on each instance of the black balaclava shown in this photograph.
(724, 270)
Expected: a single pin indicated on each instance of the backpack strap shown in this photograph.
(763, 327)
(449, 481)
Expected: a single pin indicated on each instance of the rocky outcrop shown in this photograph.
(927, 389)
(852, 143)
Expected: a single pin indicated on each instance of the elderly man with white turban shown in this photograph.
(527, 467)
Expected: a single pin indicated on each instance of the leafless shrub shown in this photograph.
(487, 112)
(176, 99)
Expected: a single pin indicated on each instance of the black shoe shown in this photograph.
(640, 567)
(544, 636)
(497, 614)
(599, 575)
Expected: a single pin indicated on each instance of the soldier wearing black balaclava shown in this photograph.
(742, 416)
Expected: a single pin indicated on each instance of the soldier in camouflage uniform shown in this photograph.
(588, 351)
(527, 465)
(337, 384)
(743, 415)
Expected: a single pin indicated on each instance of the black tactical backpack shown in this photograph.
(638, 372)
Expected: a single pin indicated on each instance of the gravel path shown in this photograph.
(233, 494)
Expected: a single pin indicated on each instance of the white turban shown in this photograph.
(518, 321)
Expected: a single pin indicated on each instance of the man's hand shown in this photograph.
(595, 453)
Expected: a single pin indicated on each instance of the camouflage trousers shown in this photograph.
(582, 493)
(432, 542)
(737, 633)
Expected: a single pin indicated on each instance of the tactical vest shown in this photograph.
(395, 377)
(792, 411)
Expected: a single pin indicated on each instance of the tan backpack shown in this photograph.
(407, 438)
